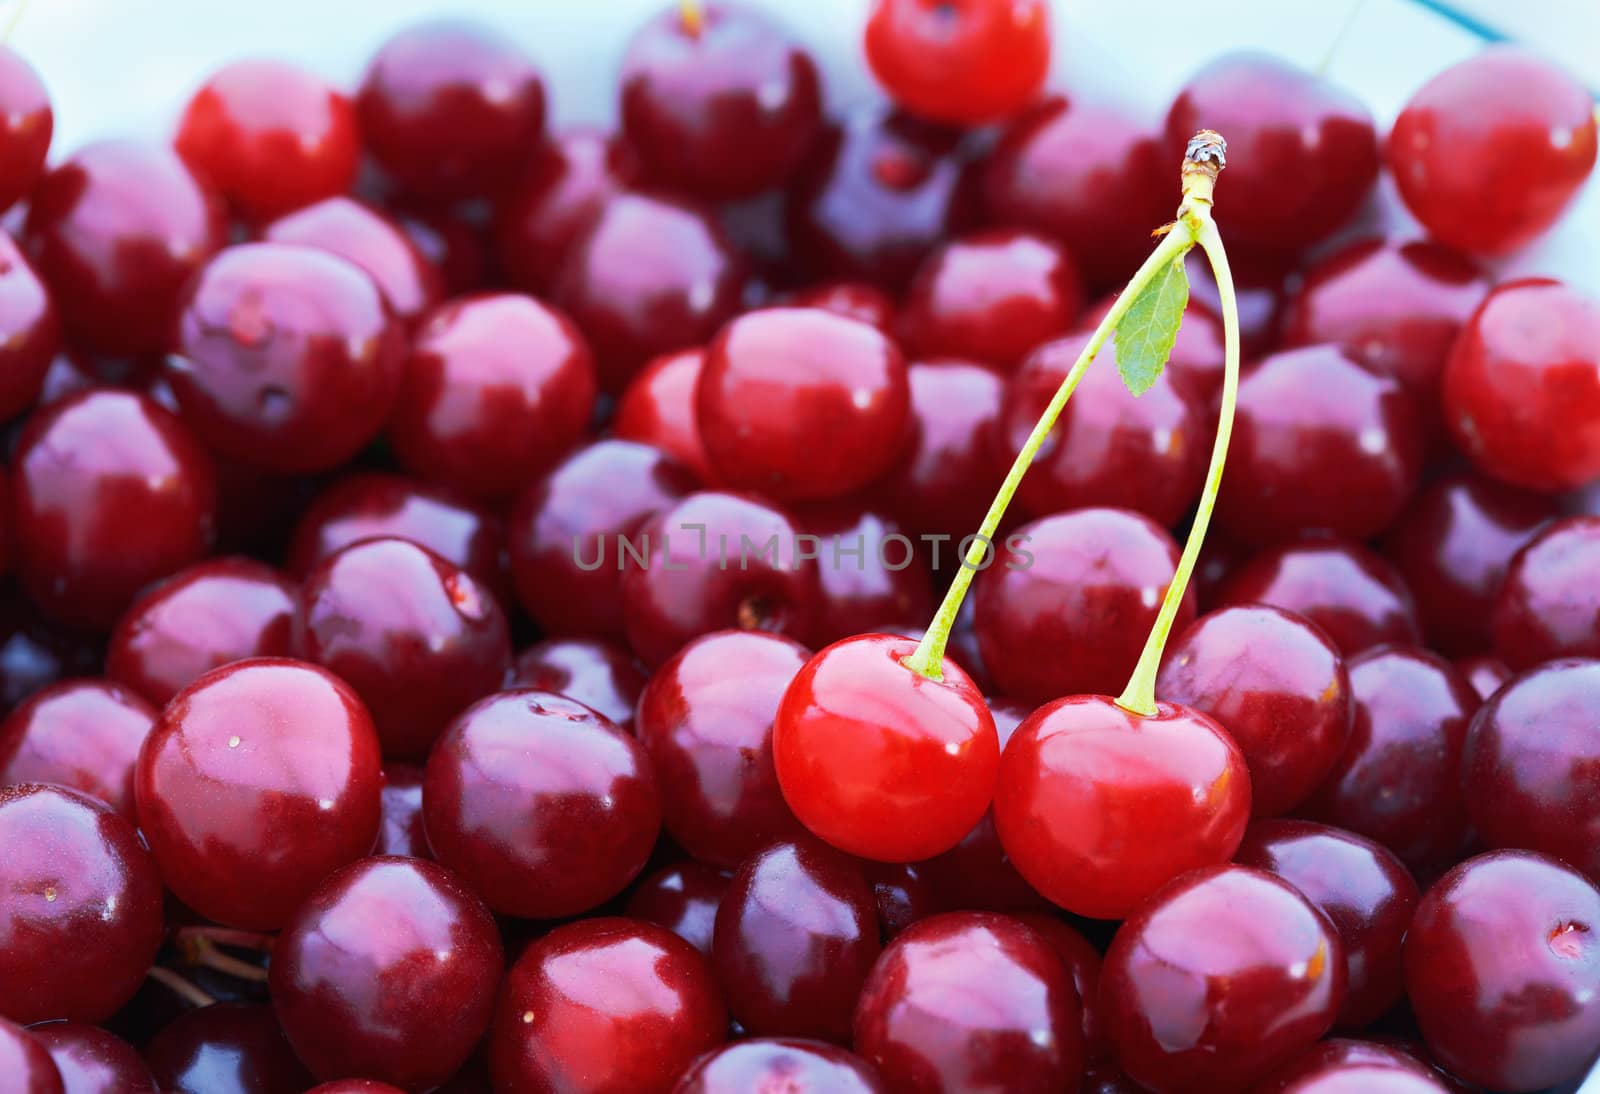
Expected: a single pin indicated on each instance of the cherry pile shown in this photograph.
(467, 583)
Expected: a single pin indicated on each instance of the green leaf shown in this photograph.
(1145, 336)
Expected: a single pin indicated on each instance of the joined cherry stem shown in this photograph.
(181, 986)
(202, 946)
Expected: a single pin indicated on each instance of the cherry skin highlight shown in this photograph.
(27, 1062)
(83, 734)
(658, 409)
(880, 761)
(92, 1061)
(365, 237)
(1338, 1066)
(600, 674)
(964, 62)
(683, 898)
(226, 1047)
(401, 830)
(777, 1063)
(30, 326)
(26, 125)
(1486, 674)
(1547, 607)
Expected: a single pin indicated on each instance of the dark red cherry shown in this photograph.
(879, 760)
(1281, 122)
(796, 933)
(1398, 781)
(1339, 1066)
(1502, 966)
(201, 618)
(1082, 963)
(1099, 807)
(604, 1004)
(456, 246)
(80, 906)
(852, 299)
(109, 493)
(92, 1061)
(542, 806)
(35, 654)
(1018, 1025)
(1522, 388)
(683, 898)
(990, 297)
(1146, 453)
(649, 276)
(30, 327)
(26, 125)
(1197, 353)
(705, 719)
(1453, 546)
(945, 477)
(226, 1048)
(872, 576)
(26, 1062)
(658, 408)
(1363, 889)
(271, 136)
(903, 895)
(780, 1064)
(1548, 606)
(387, 971)
(710, 562)
(600, 674)
(1486, 674)
(258, 780)
(401, 831)
(1223, 976)
(1277, 684)
(288, 358)
(450, 109)
(84, 734)
(1066, 606)
(1354, 595)
(358, 1086)
(568, 555)
(357, 232)
(1486, 171)
(960, 61)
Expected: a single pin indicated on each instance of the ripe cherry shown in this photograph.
(357, 232)
(903, 895)
(26, 125)
(25, 1059)
(454, 245)
(30, 327)
(271, 136)
(92, 1061)
(772, 1063)
(658, 408)
(960, 61)
(83, 734)
(600, 674)
(1339, 1066)
(1548, 607)
(683, 898)
(401, 830)
(871, 575)
(226, 1047)
(851, 299)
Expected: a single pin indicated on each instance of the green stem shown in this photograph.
(1140, 694)
(928, 658)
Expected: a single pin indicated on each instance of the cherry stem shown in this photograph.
(203, 946)
(225, 936)
(693, 15)
(180, 986)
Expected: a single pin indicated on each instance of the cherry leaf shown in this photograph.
(1145, 336)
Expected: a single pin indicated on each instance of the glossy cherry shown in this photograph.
(26, 1062)
(30, 326)
(226, 1047)
(454, 243)
(1548, 606)
(271, 136)
(83, 734)
(780, 1063)
(542, 806)
(871, 575)
(26, 125)
(658, 408)
(851, 299)
(1339, 1066)
(960, 61)
(600, 674)
(92, 1061)
(258, 780)
(604, 1004)
(109, 493)
(35, 654)
(945, 476)
(401, 831)
(683, 898)
(357, 232)
(1502, 966)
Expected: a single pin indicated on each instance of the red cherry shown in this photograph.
(1099, 807)
(497, 389)
(1548, 606)
(26, 125)
(771, 1063)
(92, 1061)
(458, 248)
(683, 898)
(851, 299)
(961, 61)
(1082, 962)
(872, 576)
(1486, 171)
(880, 761)
(1338, 1066)
(604, 1004)
(356, 1086)
(449, 109)
(83, 734)
(600, 674)
(30, 329)
(401, 831)
(357, 232)
(1197, 353)
(226, 1047)
(903, 894)
(271, 136)
(24, 1059)
(657, 408)
(1354, 595)
(258, 779)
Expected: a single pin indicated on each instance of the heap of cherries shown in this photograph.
(467, 613)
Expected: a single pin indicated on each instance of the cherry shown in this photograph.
(1485, 673)
(1282, 122)
(92, 1061)
(1522, 388)
(288, 360)
(271, 136)
(1354, 595)
(705, 720)
(1064, 609)
(598, 673)
(542, 806)
(960, 61)
(80, 906)
(1098, 807)
(1363, 889)
(109, 493)
(1277, 684)
(658, 408)
(945, 476)
(1146, 453)
(356, 1086)
(1453, 546)
(903, 895)
(1018, 1025)
(352, 230)
(880, 760)
(871, 575)
(1398, 781)
(201, 618)
(1503, 970)
(1486, 171)
(796, 934)
(223, 1049)
(26, 125)
(566, 533)
(23, 1056)
(30, 327)
(683, 898)
(450, 109)
(1527, 772)
(1082, 962)
(35, 654)
(401, 831)
(801, 404)
(1197, 352)
(649, 276)
(417, 638)
(83, 734)
(714, 561)
(1547, 607)
(990, 297)
(780, 1063)
(258, 779)
(1338, 1066)
(604, 1004)
(116, 232)
(387, 971)
(852, 299)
